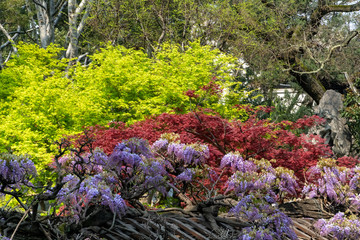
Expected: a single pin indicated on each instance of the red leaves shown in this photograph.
(212, 88)
(253, 138)
(191, 94)
(348, 162)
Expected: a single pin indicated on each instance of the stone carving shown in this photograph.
(335, 131)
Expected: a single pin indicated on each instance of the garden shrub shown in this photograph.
(252, 138)
(135, 86)
(39, 104)
(258, 187)
(338, 188)
(42, 98)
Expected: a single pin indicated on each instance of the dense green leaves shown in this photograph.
(39, 104)
(43, 98)
(135, 86)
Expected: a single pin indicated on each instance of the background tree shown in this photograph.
(309, 42)
(44, 22)
(298, 40)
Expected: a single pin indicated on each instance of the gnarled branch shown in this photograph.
(329, 55)
(10, 39)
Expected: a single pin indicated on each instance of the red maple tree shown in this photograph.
(254, 138)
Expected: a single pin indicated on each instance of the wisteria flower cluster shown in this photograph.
(273, 225)
(258, 187)
(337, 185)
(87, 163)
(127, 174)
(339, 188)
(88, 177)
(258, 178)
(136, 169)
(340, 227)
(15, 172)
(78, 195)
(180, 159)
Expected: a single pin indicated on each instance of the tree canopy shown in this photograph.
(309, 42)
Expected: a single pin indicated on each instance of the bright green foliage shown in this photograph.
(42, 98)
(39, 104)
(135, 86)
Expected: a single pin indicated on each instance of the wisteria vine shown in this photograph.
(135, 169)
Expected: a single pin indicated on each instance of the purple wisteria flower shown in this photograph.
(269, 199)
(189, 154)
(67, 194)
(186, 175)
(155, 174)
(288, 184)
(241, 188)
(259, 179)
(340, 227)
(16, 171)
(100, 158)
(354, 182)
(76, 194)
(268, 221)
(265, 180)
(115, 202)
(340, 187)
(355, 200)
(119, 205)
(237, 163)
(176, 149)
(139, 146)
(258, 186)
(87, 163)
(154, 168)
(160, 145)
(121, 159)
(241, 206)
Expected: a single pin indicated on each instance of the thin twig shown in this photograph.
(18, 225)
(113, 222)
(7, 202)
(351, 84)
(47, 235)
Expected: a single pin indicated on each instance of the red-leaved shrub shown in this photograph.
(253, 138)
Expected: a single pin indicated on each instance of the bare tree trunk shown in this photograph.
(75, 28)
(48, 13)
(45, 11)
(311, 86)
(72, 48)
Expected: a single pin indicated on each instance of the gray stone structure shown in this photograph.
(335, 131)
